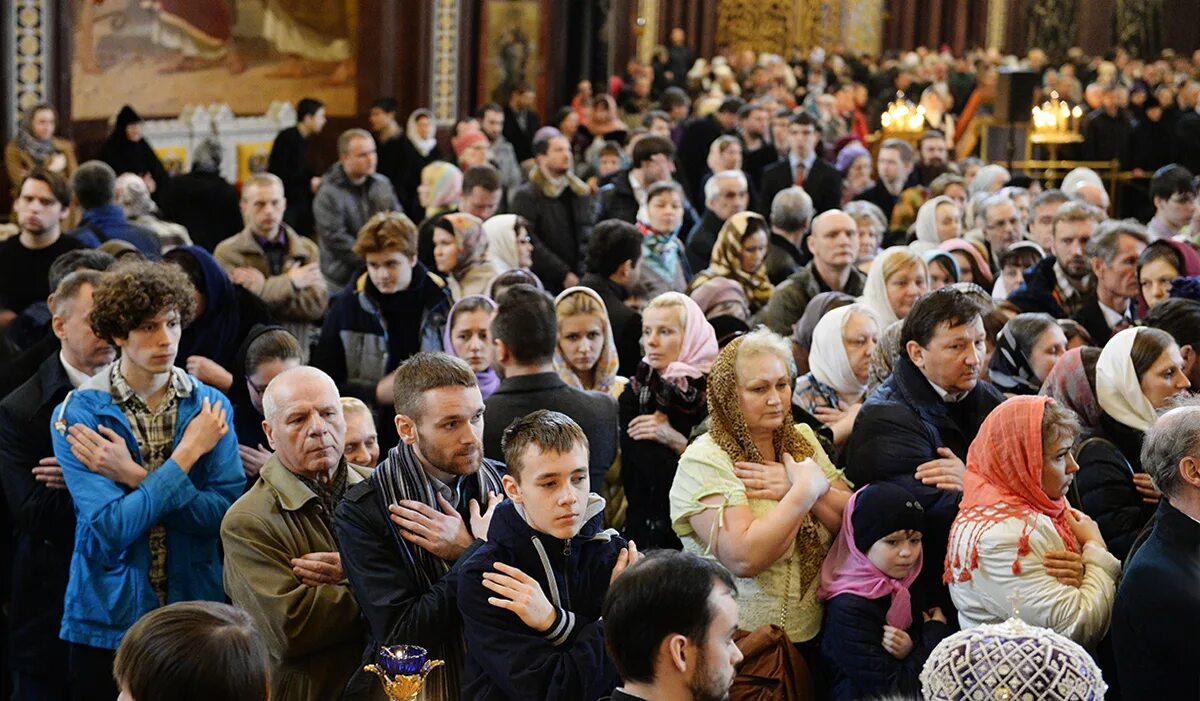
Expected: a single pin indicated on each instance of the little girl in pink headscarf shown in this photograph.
(872, 638)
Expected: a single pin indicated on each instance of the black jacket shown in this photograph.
(823, 184)
(206, 205)
(560, 228)
(698, 135)
(879, 196)
(755, 163)
(701, 239)
(521, 139)
(783, 259)
(900, 427)
(1091, 318)
(1187, 139)
(289, 160)
(43, 522)
(851, 643)
(1107, 138)
(1157, 612)
(507, 659)
(1039, 292)
(626, 322)
(1107, 463)
(595, 412)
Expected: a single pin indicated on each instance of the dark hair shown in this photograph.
(674, 97)
(1172, 180)
(511, 278)
(649, 118)
(666, 593)
(930, 134)
(424, 372)
(663, 186)
(134, 292)
(550, 431)
(387, 104)
(1178, 317)
(308, 106)
(94, 184)
(1148, 346)
(525, 321)
(1160, 250)
(1028, 327)
(541, 145)
(650, 146)
(487, 107)
(275, 344)
(561, 115)
(948, 306)
(78, 259)
(613, 242)
(1053, 195)
(194, 650)
(731, 105)
(58, 185)
(750, 108)
(484, 176)
(805, 119)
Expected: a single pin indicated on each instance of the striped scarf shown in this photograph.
(401, 477)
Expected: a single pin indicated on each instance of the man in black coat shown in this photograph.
(1187, 138)
(614, 260)
(1157, 610)
(42, 511)
(1114, 250)
(915, 429)
(698, 136)
(521, 122)
(403, 561)
(558, 207)
(202, 200)
(525, 331)
(894, 163)
(804, 167)
(289, 160)
(1060, 283)
(1107, 130)
(725, 194)
(652, 161)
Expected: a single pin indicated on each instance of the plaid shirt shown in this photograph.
(155, 433)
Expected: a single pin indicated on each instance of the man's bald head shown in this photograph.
(1093, 195)
(303, 421)
(832, 218)
(1171, 451)
(294, 382)
(833, 239)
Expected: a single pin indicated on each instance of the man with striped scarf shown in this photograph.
(404, 532)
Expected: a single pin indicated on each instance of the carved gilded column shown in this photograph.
(862, 26)
(996, 18)
(648, 19)
(29, 57)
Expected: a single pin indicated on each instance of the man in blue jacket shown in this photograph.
(151, 462)
(531, 596)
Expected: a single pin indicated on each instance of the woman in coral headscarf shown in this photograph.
(1016, 546)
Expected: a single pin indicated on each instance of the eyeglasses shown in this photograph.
(733, 195)
(1004, 223)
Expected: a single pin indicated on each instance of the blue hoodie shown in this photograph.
(507, 659)
(109, 587)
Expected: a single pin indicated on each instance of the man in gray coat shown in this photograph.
(350, 193)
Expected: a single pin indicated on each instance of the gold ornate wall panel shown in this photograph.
(447, 55)
(773, 26)
(28, 64)
(862, 26)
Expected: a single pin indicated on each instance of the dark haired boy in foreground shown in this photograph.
(531, 597)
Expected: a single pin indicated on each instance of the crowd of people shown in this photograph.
(685, 388)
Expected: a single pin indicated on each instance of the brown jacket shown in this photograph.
(315, 634)
(285, 302)
(18, 164)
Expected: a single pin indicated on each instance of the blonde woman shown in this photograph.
(897, 280)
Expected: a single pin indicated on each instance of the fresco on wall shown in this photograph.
(511, 47)
(163, 55)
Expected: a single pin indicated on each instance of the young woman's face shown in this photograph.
(1155, 278)
(904, 287)
(1059, 467)
(1165, 379)
(581, 340)
(471, 340)
(662, 336)
(965, 273)
(731, 157)
(42, 125)
(445, 250)
(754, 251)
(665, 212)
(896, 553)
(1050, 345)
(949, 223)
(424, 128)
(939, 274)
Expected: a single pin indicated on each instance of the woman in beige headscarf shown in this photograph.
(460, 253)
(740, 255)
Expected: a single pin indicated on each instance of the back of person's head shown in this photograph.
(674, 97)
(1172, 438)
(132, 293)
(510, 279)
(276, 344)
(59, 187)
(94, 184)
(613, 242)
(1172, 180)
(1105, 241)
(548, 431)
(78, 259)
(133, 195)
(526, 324)
(386, 232)
(194, 651)
(484, 176)
(1178, 317)
(68, 289)
(424, 372)
(207, 157)
(948, 306)
(650, 146)
(387, 104)
(1027, 328)
(346, 138)
(307, 107)
(668, 593)
(792, 209)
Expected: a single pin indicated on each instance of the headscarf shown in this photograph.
(874, 295)
(489, 380)
(38, 150)
(1117, 387)
(213, 334)
(935, 254)
(1003, 481)
(468, 234)
(1069, 385)
(660, 251)
(726, 258)
(614, 122)
(699, 346)
(134, 196)
(423, 146)
(926, 226)
(885, 354)
(1191, 267)
(1010, 370)
(982, 269)
(462, 142)
(848, 570)
(717, 291)
(828, 360)
(501, 233)
(850, 153)
(818, 307)
(606, 363)
(445, 186)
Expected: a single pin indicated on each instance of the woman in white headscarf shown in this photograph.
(897, 279)
(938, 220)
(839, 363)
(509, 245)
(1139, 373)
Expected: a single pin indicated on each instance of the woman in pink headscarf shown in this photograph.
(665, 400)
(875, 634)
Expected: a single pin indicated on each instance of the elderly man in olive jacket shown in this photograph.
(281, 560)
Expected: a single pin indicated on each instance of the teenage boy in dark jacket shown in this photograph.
(531, 596)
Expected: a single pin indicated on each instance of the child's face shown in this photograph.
(1013, 277)
(897, 553)
(665, 212)
(609, 164)
(553, 488)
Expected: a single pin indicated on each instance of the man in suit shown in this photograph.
(894, 163)
(1114, 251)
(1157, 608)
(41, 508)
(525, 332)
(803, 167)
